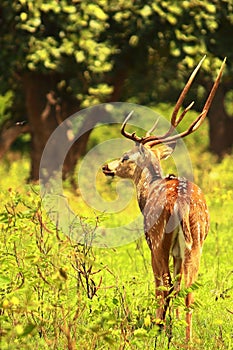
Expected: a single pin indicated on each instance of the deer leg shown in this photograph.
(162, 294)
(162, 279)
(178, 259)
(188, 302)
(178, 270)
(177, 274)
(191, 266)
(162, 297)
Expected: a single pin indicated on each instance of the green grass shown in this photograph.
(56, 294)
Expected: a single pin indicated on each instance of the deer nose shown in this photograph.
(105, 167)
(107, 171)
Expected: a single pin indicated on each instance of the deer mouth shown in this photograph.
(107, 171)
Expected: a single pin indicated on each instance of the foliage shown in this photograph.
(63, 37)
(96, 45)
(5, 105)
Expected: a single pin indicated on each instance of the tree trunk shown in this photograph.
(45, 112)
(42, 121)
(220, 125)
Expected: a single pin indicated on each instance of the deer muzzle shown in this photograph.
(107, 171)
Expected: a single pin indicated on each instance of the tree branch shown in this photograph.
(9, 134)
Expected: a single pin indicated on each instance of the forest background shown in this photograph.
(59, 57)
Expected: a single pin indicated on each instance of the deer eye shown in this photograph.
(124, 158)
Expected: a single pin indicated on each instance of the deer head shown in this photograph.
(133, 162)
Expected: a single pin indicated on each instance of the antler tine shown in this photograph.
(183, 113)
(132, 136)
(174, 120)
(153, 128)
(199, 120)
(183, 94)
(214, 88)
(177, 122)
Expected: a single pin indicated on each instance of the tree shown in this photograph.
(55, 58)
(62, 56)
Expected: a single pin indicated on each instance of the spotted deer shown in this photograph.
(176, 217)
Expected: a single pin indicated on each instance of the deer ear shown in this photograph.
(164, 151)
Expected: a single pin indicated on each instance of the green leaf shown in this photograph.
(103, 89)
(69, 9)
(96, 11)
(115, 301)
(28, 329)
(211, 8)
(79, 56)
(4, 280)
(146, 11)
(140, 333)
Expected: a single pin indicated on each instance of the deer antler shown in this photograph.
(132, 136)
(152, 140)
(153, 128)
(166, 138)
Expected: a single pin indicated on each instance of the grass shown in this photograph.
(57, 294)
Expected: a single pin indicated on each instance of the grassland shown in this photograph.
(57, 294)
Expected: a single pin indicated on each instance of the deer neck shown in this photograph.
(143, 177)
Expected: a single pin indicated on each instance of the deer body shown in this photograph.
(176, 222)
(176, 219)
